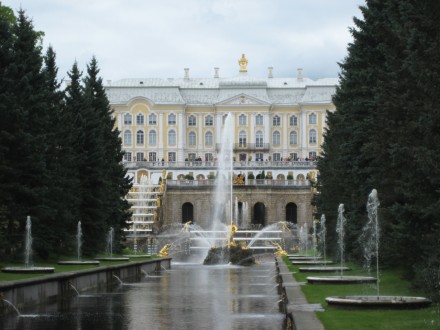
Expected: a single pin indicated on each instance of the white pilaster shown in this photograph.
(303, 125)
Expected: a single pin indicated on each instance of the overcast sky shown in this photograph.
(159, 38)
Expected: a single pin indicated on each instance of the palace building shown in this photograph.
(180, 120)
(176, 124)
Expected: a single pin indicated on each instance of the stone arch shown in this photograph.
(259, 217)
(181, 177)
(200, 177)
(300, 177)
(292, 213)
(187, 212)
(281, 177)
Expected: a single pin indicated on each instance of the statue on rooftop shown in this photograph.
(243, 63)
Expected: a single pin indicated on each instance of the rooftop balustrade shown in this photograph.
(248, 182)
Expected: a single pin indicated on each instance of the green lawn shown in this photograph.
(391, 283)
(61, 268)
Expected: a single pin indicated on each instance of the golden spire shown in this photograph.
(243, 63)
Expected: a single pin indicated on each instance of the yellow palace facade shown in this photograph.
(180, 120)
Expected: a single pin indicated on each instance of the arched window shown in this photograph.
(276, 121)
(152, 119)
(259, 139)
(172, 137)
(242, 120)
(259, 120)
(127, 119)
(208, 139)
(259, 218)
(152, 138)
(312, 136)
(192, 120)
(276, 138)
(291, 213)
(242, 139)
(312, 119)
(139, 119)
(293, 121)
(127, 138)
(209, 120)
(293, 138)
(140, 137)
(192, 139)
(172, 119)
(187, 212)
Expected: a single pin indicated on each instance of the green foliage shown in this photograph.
(211, 176)
(251, 176)
(60, 156)
(385, 134)
(189, 177)
(289, 176)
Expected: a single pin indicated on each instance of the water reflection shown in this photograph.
(190, 297)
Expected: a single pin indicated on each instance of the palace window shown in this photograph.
(172, 138)
(293, 138)
(139, 137)
(276, 121)
(276, 138)
(259, 157)
(312, 136)
(171, 156)
(152, 156)
(242, 120)
(209, 120)
(208, 139)
(127, 156)
(127, 138)
(293, 120)
(139, 119)
(259, 120)
(259, 139)
(192, 139)
(312, 119)
(140, 157)
(312, 155)
(152, 137)
(152, 119)
(172, 119)
(242, 139)
(276, 157)
(192, 120)
(191, 156)
(209, 157)
(127, 119)
(294, 156)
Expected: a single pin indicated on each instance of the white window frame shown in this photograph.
(128, 119)
(139, 119)
(152, 119)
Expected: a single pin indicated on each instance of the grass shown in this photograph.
(61, 268)
(391, 283)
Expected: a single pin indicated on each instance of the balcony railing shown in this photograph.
(248, 182)
(213, 164)
(246, 146)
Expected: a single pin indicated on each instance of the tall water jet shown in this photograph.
(110, 239)
(28, 243)
(315, 239)
(78, 240)
(321, 235)
(223, 206)
(340, 230)
(370, 238)
(28, 266)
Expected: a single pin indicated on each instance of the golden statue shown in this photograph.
(158, 201)
(243, 63)
(238, 180)
(164, 251)
(280, 252)
(232, 230)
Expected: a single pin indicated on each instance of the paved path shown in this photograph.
(303, 313)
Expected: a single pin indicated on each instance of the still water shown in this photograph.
(189, 296)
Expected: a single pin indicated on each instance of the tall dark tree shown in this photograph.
(114, 184)
(385, 132)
